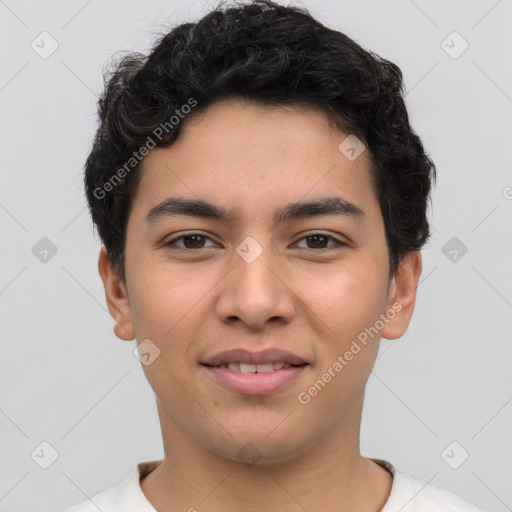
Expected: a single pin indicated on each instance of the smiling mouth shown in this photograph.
(256, 368)
(255, 379)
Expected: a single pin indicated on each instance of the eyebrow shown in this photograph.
(174, 206)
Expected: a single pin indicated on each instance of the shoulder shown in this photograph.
(125, 496)
(104, 501)
(411, 495)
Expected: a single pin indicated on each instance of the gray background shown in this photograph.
(67, 380)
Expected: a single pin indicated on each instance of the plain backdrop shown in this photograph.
(440, 394)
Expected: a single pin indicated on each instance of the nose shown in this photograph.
(257, 292)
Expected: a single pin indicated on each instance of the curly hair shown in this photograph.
(274, 55)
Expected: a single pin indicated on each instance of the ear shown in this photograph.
(402, 295)
(117, 297)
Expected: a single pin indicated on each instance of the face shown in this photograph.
(250, 272)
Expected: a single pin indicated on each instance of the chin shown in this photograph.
(260, 448)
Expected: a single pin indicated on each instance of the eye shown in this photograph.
(190, 241)
(197, 241)
(319, 241)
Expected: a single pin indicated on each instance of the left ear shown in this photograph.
(402, 295)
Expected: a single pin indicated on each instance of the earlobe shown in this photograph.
(116, 296)
(402, 295)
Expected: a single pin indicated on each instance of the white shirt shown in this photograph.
(407, 495)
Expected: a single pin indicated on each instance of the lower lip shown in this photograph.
(255, 383)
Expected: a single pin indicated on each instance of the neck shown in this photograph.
(330, 475)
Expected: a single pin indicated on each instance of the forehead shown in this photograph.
(256, 154)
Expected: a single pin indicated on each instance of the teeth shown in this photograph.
(247, 368)
(255, 368)
(264, 368)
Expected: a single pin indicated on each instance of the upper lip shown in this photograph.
(241, 355)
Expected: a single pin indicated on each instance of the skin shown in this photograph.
(312, 299)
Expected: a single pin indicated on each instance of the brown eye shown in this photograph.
(192, 241)
(317, 241)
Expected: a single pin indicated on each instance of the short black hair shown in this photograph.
(275, 55)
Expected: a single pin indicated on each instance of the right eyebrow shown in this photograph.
(334, 205)
(173, 206)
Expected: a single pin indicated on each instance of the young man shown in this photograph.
(261, 198)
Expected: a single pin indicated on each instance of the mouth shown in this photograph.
(254, 373)
(245, 359)
(255, 383)
(256, 368)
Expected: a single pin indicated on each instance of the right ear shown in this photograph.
(117, 297)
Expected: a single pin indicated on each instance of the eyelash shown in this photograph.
(337, 243)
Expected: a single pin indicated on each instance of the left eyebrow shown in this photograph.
(322, 206)
(174, 206)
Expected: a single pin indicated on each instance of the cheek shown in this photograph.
(165, 298)
(347, 300)
(166, 309)
(170, 307)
